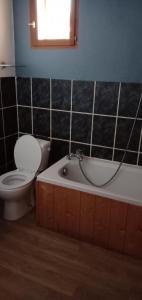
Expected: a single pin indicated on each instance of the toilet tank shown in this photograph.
(45, 149)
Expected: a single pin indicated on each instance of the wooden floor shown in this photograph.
(36, 264)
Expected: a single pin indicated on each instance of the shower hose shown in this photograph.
(123, 157)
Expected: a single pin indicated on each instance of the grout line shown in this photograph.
(58, 139)
(7, 107)
(86, 144)
(119, 117)
(81, 113)
(101, 146)
(35, 107)
(76, 112)
(119, 93)
(139, 148)
(32, 105)
(94, 96)
(81, 143)
(132, 151)
(8, 136)
(71, 116)
(16, 90)
(37, 135)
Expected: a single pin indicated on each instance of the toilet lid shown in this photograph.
(27, 154)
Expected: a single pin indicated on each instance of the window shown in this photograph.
(53, 23)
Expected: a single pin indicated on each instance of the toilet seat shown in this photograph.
(27, 155)
(15, 179)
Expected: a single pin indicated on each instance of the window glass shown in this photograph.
(53, 19)
(53, 23)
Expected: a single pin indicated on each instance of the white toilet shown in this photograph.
(17, 187)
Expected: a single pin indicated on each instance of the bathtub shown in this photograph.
(126, 187)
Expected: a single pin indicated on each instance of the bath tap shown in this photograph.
(70, 156)
(78, 154)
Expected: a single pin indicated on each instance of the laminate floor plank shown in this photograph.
(39, 264)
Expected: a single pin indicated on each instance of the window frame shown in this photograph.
(59, 43)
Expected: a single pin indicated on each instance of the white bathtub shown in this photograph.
(126, 187)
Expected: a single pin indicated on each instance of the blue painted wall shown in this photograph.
(109, 48)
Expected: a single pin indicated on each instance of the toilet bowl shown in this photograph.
(17, 187)
(13, 183)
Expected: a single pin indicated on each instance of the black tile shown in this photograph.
(8, 91)
(104, 153)
(61, 125)
(11, 166)
(41, 122)
(25, 119)
(130, 158)
(83, 93)
(84, 148)
(1, 125)
(10, 120)
(140, 159)
(81, 128)
(61, 94)
(58, 150)
(0, 96)
(41, 92)
(2, 153)
(124, 127)
(10, 144)
(129, 99)
(3, 169)
(21, 133)
(103, 131)
(106, 98)
(24, 91)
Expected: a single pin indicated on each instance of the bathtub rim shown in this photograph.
(51, 175)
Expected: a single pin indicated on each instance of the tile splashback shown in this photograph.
(8, 123)
(96, 117)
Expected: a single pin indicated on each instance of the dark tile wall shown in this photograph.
(96, 117)
(8, 123)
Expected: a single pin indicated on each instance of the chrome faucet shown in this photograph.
(78, 154)
(70, 156)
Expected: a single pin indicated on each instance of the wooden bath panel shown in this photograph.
(102, 221)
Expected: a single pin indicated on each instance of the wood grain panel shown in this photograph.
(117, 225)
(102, 217)
(103, 221)
(87, 216)
(133, 243)
(67, 210)
(45, 205)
